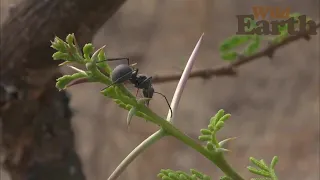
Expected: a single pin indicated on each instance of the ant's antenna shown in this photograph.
(114, 59)
(166, 101)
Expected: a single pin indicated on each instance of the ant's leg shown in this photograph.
(139, 93)
(108, 86)
(105, 88)
(115, 59)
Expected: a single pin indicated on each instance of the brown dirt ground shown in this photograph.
(275, 104)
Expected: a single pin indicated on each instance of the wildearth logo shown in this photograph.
(277, 16)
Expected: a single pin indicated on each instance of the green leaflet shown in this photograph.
(63, 81)
(252, 42)
(262, 169)
(227, 47)
(284, 29)
(253, 46)
(209, 135)
(168, 174)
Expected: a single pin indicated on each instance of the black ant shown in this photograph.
(125, 72)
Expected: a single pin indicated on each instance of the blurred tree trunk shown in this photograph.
(36, 134)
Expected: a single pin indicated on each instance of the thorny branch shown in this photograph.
(230, 70)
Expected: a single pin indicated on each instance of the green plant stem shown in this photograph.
(136, 152)
(217, 158)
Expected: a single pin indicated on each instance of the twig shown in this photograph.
(229, 70)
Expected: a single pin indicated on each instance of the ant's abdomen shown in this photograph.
(121, 73)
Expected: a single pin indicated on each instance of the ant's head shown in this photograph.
(148, 92)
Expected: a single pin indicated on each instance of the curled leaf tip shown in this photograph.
(274, 162)
(77, 81)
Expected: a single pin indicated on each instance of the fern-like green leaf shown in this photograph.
(215, 119)
(219, 125)
(205, 132)
(62, 56)
(233, 42)
(87, 50)
(211, 127)
(263, 170)
(253, 47)
(63, 81)
(179, 175)
(224, 117)
(59, 45)
(260, 164)
(205, 138)
(259, 172)
(229, 56)
(209, 135)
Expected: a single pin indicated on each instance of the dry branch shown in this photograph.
(36, 133)
(230, 70)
